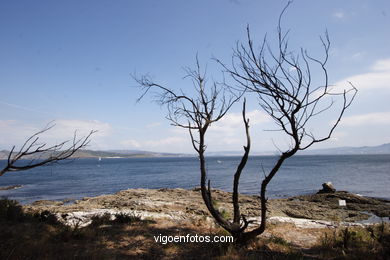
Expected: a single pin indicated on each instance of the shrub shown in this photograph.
(126, 218)
(10, 210)
(98, 220)
(372, 241)
(47, 217)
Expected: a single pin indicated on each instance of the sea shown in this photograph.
(367, 175)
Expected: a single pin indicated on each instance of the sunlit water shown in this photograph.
(363, 174)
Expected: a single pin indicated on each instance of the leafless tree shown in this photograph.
(197, 113)
(282, 81)
(33, 153)
(283, 84)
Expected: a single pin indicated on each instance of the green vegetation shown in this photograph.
(371, 242)
(223, 211)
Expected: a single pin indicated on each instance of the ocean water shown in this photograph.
(367, 175)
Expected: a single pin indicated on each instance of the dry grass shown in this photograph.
(39, 237)
(372, 242)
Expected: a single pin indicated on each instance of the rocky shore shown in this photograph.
(312, 211)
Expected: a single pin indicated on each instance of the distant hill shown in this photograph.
(3, 154)
(380, 149)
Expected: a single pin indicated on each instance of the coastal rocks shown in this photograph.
(47, 203)
(188, 204)
(326, 206)
(327, 187)
(309, 223)
(84, 218)
(12, 187)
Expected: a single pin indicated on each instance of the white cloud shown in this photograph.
(337, 136)
(339, 15)
(24, 108)
(163, 144)
(228, 133)
(377, 78)
(153, 125)
(358, 55)
(68, 127)
(291, 69)
(382, 65)
(234, 121)
(15, 133)
(131, 143)
(380, 118)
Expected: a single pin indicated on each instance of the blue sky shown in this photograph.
(70, 61)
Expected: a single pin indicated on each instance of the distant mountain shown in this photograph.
(380, 149)
(130, 152)
(3, 154)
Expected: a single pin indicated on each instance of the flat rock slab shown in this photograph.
(182, 204)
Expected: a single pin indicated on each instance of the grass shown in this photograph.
(371, 242)
(223, 211)
(119, 218)
(127, 236)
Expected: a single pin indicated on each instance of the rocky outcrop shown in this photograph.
(12, 187)
(184, 204)
(327, 187)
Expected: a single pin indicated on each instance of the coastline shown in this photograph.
(310, 211)
(125, 225)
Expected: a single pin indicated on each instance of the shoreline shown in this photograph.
(311, 211)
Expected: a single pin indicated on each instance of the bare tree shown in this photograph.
(282, 81)
(34, 153)
(283, 84)
(197, 113)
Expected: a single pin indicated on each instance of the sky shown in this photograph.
(71, 62)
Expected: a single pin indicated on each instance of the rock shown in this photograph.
(327, 187)
(11, 187)
(47, 203)
(188, 204)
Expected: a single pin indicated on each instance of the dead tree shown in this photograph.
(197, 113)
(282, 81)
(34, 154)
(283, 84)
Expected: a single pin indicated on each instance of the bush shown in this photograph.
(10, 210)
(371, 241)
(118, 218)
(127, 218)
(47, 217)
(98, 220)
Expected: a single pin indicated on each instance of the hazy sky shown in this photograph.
(70, 61)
